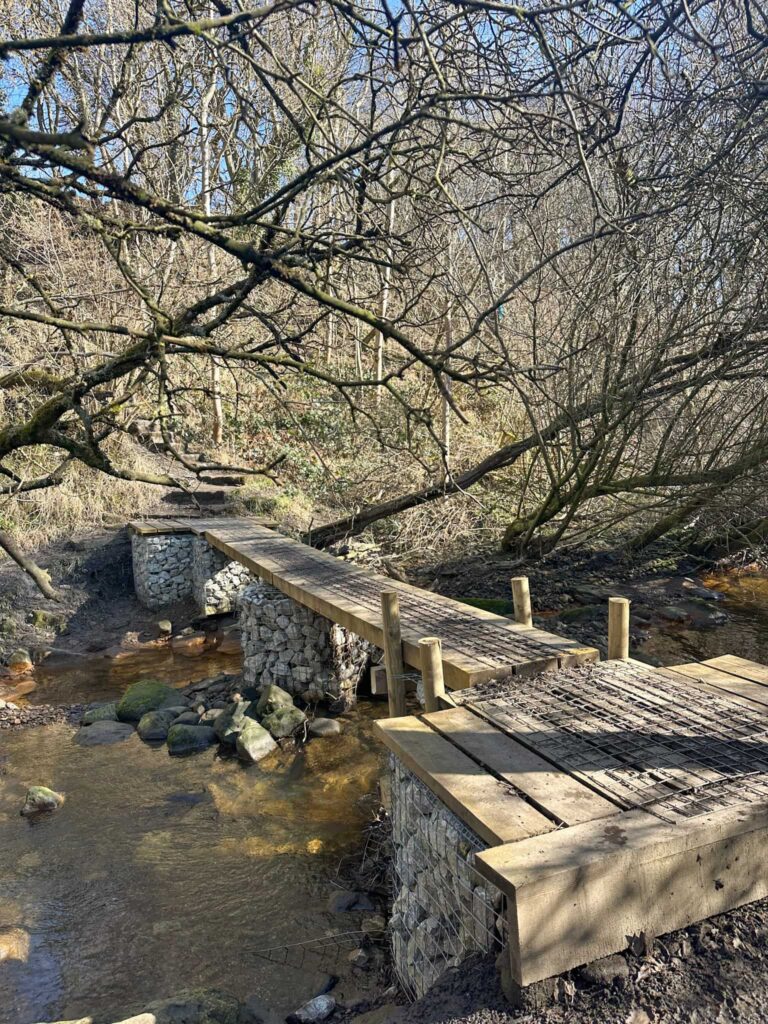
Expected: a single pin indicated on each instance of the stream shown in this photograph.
(162, 874)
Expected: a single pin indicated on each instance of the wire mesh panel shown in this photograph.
(640, 737)
(442, 910)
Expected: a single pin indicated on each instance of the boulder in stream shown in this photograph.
(271, 698)
(155, 724)
(253, 742)
(100, 713)
(189, 739)
(203, 1006)
(103, 732)
(40, 799)
(324, 727)
(284, 721)
(229, 723)
(146, 695)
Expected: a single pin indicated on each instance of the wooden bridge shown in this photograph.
(476, 644)
(615, 799)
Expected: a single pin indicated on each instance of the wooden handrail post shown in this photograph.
(521, 596)
(431, 653)
(618, 628)
(393, 653)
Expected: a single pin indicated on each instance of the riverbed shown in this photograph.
(162, 874)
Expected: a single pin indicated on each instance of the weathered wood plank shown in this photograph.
(556, 793)
(723, 683)
(579, 893)
(489, 807)
(740, 667)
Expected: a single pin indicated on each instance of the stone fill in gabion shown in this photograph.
(299, 650)
(443, 909)
(162, 568)
(216, 580)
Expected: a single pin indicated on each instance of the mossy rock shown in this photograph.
(100, 713)
(284, 721)
(146, 695)
(272, 697)
(155, 724)
(40, 799)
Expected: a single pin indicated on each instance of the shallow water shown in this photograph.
(744, 634)
(70, 679)
(161, 874)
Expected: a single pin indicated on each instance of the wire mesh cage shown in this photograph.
(443, 910)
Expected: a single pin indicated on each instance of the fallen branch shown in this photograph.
(40, 576)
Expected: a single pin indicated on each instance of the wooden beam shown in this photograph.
(580, 893)
(618, 628)
(489, 807)
(393, 653)
(432, 672)
(521, 598)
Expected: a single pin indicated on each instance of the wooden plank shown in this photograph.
(723, 683)
(700, 684)
(580, 893)
(556, 793)
(489, 807)
(740, 667)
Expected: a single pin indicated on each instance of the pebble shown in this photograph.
(14, 717)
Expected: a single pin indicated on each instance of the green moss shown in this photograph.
(143, 696)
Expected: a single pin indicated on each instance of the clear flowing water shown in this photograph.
(162, 874)
(745, 633)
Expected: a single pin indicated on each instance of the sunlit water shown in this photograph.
(745, 633)
(161, 874)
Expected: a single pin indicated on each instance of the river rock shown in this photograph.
(103, 732)
(188, 739)
(324, 727)
(199, 1006)
(229, 723)
(284, 721)
(210, 716)
(271, 698)
(100, 713)
(253, 742)
(155, 724)
(318, 1009)
(343, 902)
(40, 799)
(146, 695)
(187, 718)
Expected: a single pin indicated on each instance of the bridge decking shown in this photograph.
(476, 644)
(616, 800)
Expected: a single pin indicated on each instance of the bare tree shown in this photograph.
(254, 181)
